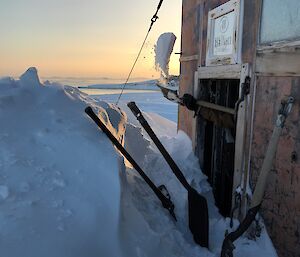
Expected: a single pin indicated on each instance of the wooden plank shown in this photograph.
(189, 47)
(278, 63)
(189, 58)
(220, 72)
(216, 107)
(240, 141)
(281, 46)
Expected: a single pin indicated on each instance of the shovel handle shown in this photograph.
(175, 169)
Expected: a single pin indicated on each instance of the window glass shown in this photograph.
(280, 20)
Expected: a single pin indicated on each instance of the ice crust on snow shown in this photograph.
(65, 191)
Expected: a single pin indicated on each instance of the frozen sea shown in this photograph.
(147, 100)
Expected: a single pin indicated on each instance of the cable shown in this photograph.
(153, 20)
(132, 68)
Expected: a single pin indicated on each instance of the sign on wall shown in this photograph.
(223, 34)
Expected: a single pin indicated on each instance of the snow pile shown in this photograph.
(59, 175)
(163, 50)
(177, 235)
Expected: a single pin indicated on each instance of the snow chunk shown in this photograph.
(163, 50)
(30, 78)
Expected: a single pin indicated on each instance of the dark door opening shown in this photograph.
(216, 140)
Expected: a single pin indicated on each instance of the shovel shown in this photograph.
(198, 210)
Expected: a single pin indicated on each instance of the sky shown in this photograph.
(92, 38)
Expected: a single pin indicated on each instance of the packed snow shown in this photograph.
(60, 185)
(151, 102)
(163, 50)
(169, 85)
(66, 192)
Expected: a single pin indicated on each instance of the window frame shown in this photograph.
(215, 60)
(279, 44)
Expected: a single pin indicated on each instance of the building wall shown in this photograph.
(281, 207)
(189, 47)
(193, 42)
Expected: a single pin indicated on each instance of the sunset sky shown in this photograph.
(93, 38)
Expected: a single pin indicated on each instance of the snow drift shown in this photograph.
(60, 188)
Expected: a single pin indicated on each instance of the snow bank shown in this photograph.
(177, 235)
(59, 175)
(163, 50)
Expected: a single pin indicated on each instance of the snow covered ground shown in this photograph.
(150, 102)
(65, 191)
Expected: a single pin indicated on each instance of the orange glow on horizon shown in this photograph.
(84, 45)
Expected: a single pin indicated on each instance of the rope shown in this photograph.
(153, 20)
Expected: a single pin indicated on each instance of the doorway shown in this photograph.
(216, 138)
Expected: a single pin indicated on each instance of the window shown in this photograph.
(280, 21)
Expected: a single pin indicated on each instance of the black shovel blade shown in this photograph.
(198, 217)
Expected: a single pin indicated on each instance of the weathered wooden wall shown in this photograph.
(189, 47)
(281, 206)
(193, 42)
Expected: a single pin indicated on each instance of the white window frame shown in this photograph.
(277, 58)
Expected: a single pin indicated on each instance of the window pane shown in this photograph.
(280, 20)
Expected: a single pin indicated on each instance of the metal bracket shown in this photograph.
(246, 87)
(237, 204)
(245, 90)
(285, 109)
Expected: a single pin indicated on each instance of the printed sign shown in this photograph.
(223, 43)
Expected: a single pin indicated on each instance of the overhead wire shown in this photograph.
(153, 20)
